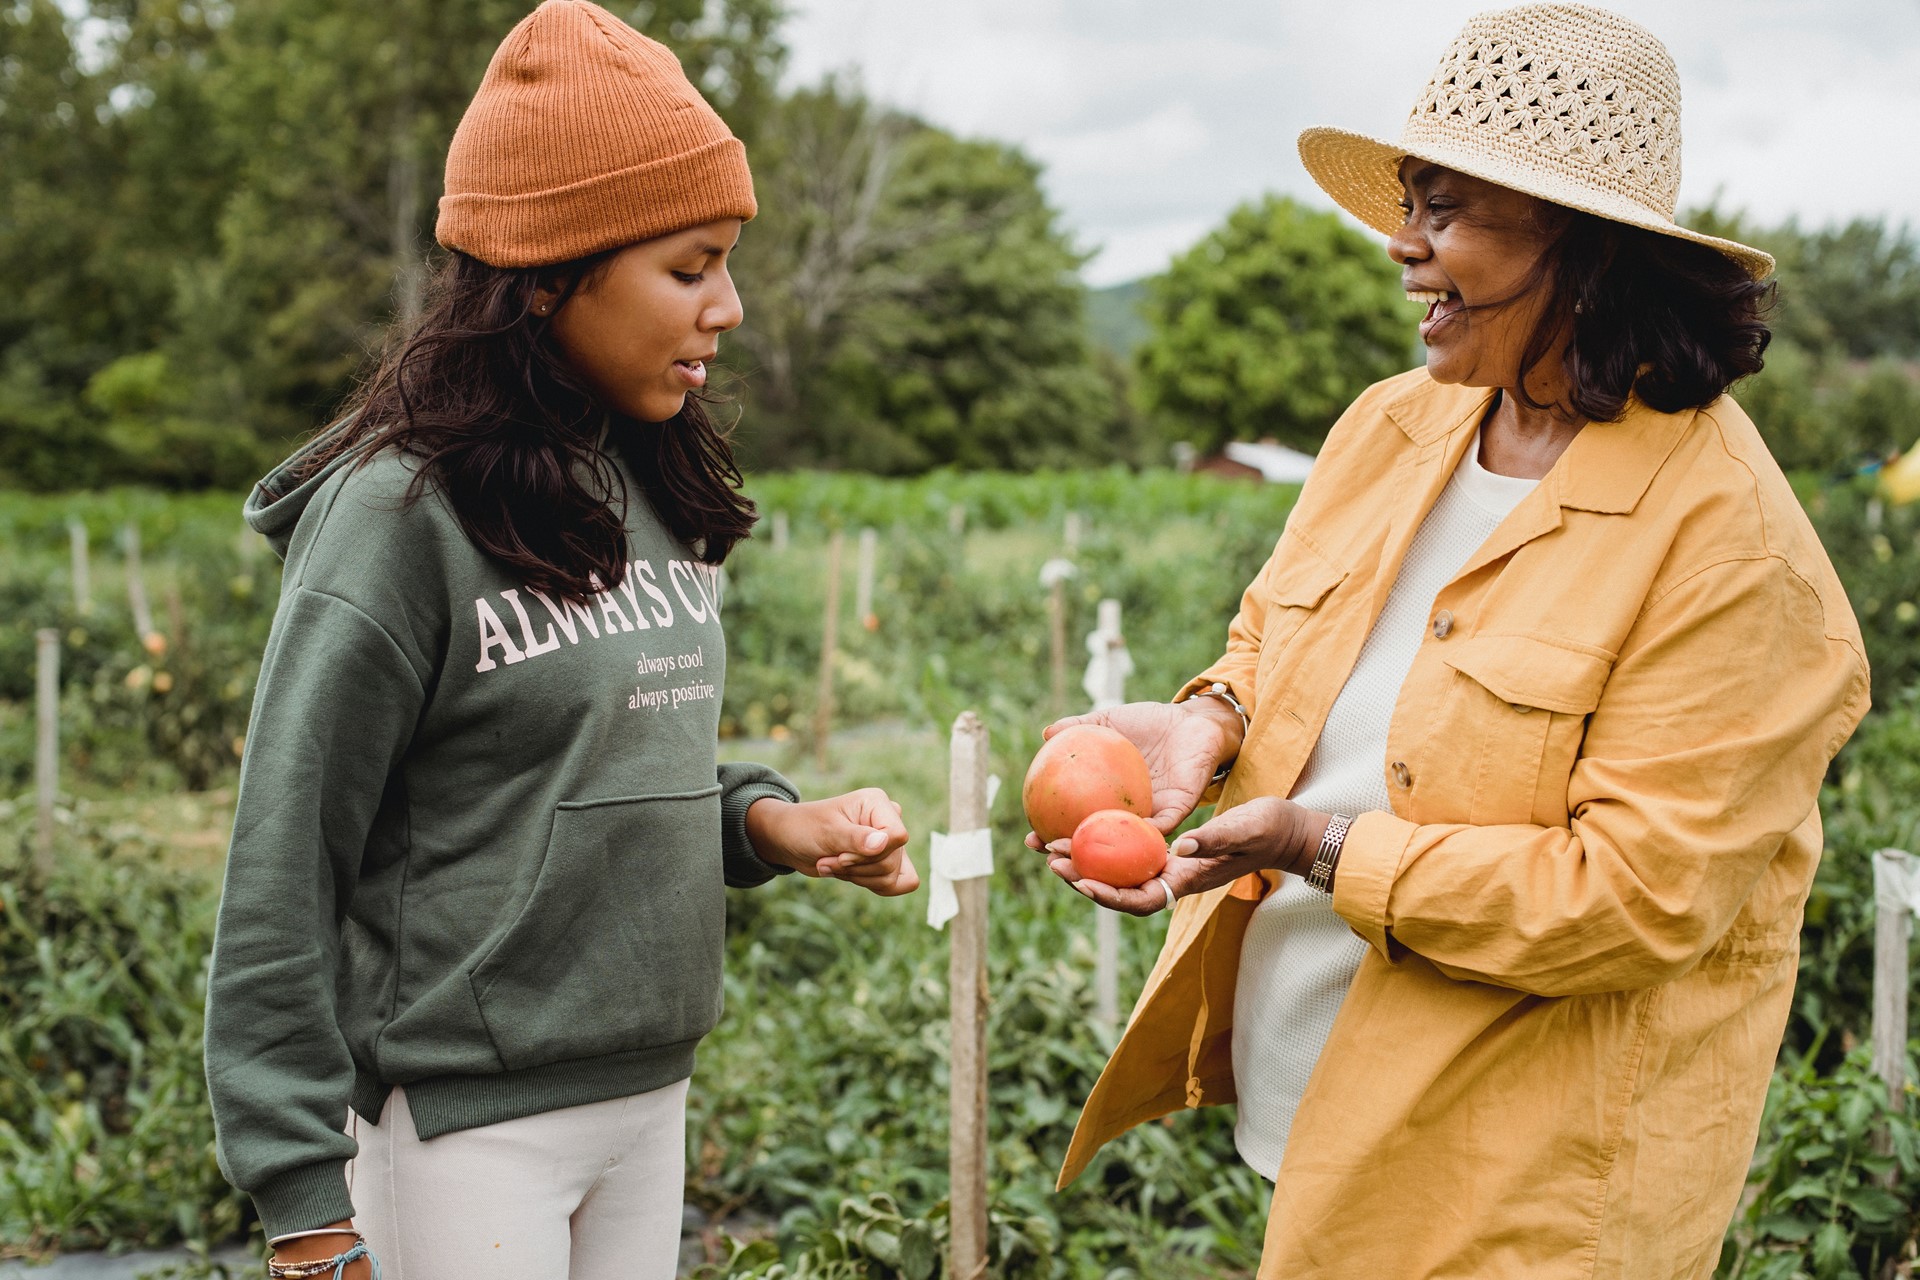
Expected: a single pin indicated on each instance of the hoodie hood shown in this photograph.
(278, 500)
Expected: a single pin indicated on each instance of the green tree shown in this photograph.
(239, 196)
(1270, 326)
(911, 302)
(65, 313)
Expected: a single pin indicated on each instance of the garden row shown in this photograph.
(820, 1104)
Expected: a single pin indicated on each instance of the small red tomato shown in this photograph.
(1118, 848)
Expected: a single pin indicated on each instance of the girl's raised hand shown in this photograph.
(857, 837)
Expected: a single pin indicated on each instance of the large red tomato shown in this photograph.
(1118, 848)
(1082, 769)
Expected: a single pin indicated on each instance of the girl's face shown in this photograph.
(641, 331)
(1468, 248)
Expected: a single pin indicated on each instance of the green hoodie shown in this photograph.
(480, 842)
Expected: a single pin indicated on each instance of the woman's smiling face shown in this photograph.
(641, 330)
(1469, 251)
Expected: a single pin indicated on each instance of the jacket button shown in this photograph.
(1522, 708)
(1401, 774)
(1442, 625)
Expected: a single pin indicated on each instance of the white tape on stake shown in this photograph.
(1896, 881)
(962, 855)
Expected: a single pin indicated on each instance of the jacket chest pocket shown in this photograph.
(1524, 701)
(1294, 590)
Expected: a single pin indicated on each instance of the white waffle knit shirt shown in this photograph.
(1299, 958)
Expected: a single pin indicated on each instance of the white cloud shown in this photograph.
(1154, 120)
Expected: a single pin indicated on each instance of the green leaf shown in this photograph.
(1873, 1204)
(1832, 1252)
(1791, 1228)
(919, 1254)
(1857, 1112)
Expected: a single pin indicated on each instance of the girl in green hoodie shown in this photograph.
(472, 927)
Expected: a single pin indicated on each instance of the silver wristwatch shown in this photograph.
(1224, 692)
(1320, 874)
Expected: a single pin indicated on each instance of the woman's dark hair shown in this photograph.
(509, 435)
(1674, 321)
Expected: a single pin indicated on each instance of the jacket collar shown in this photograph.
(1607, 468)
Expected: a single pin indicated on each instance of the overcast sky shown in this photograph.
(1154, 118)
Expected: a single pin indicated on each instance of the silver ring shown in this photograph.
(1168, 888)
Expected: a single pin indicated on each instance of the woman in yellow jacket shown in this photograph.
(1520, 732)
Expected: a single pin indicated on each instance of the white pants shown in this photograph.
(586, 1193)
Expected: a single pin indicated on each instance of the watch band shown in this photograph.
(1320, 874)
(1223, 691)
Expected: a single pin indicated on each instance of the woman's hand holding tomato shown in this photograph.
(1183, 743)
(1264, 834)
(857, 837)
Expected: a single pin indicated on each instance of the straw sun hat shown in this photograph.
(1562, 101)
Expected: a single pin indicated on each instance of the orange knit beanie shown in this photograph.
(585, 135)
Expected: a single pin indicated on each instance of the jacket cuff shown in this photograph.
(744, 868)
(303, 1198)
(1370, 859)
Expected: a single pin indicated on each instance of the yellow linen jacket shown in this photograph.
(1584, 909)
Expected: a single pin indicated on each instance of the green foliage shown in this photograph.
(1875, 547)
(1114, 318)
(911, 302)
(105, 1136)
(1827, 1201)
(1851, 292)
(1167, 1200)
(1821, 414)
(218, 212)
(819, 1104)
(965, 621)
(166, 715)
(1869, 807)
(1270, 326)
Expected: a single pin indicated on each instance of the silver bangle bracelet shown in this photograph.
(317, 1231)
(1223, 691)
(1320, 874)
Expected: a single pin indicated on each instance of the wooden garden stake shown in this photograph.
(863, 585)
(967, 996)
(1112, 691)
(176, 608)
(46, 770)
(1054, 576)
(1896, 900)
(779, 532)
(1896, 891)
(137, 585)
(1070, 538)
(82, 568)
(1057, 638)
(829, 641)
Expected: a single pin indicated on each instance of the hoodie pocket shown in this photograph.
(618, 946)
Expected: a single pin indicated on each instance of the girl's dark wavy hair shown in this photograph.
(1675, 322)
(509, 435)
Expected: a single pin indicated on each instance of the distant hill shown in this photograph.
(1113, 317)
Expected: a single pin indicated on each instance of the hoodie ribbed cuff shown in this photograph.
(304, 1198)
(744, 868)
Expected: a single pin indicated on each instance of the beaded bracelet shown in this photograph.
(334, 1267)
